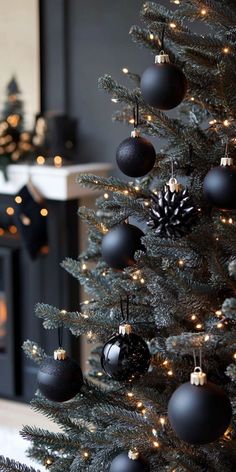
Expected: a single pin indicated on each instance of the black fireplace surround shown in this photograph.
(23, 283)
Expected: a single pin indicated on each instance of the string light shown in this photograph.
(192, 99)
(173, 25)
(99, 374)
(2, 231)
(40, 160)
(156, 444)
(34, 349)
(162, 421)
(126, 192)
(114, 100)
(165, 362)
(170, 372)
(226, 123)
(149, 118)
(220, 325)
(230, 221)
(234, 356)
(203, 11)
(226, 50)
(193, 317)
(125, 70)
(177, 2)
(86, 454)
(181, 262)
(199, 326)
(130, 394)
(139, 405)
(212, 122)
(137, 188)
(86, 302)
(154, 432)
(12, 229)
(131, 121)
(18, 199)
(151, 36)
(57, 161)
(142, 280)
(207, 337)
(44, 212)
(10, 211)
(84, 267)
(218, 312)
(106, 196)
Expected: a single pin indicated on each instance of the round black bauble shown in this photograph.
(126, 355)
(220, 187)
(135, 156)
(163, 85)
(59, 379)
(124, 463)
(120, 244)
(199, 414)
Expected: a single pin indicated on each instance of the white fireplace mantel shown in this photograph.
(52, 183)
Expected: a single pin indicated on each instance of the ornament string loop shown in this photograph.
(60, 336)
(125, 317)
(136, 115)
(196, 364)
(162, 38)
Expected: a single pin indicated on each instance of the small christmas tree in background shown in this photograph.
(15, 142)
(173, 286)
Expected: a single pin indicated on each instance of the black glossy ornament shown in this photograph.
(129, 462)
(135, 156)
(220, 185)
(163, 85)
(126, 355)
(59, 377)
(199, 411)
(172, 211)
(120, 244)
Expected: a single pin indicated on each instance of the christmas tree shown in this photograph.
(171, 291)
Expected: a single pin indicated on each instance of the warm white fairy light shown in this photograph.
(151, 36)
(212, 122)
(125, 70)
(18, 199)
(149, 118)
(34, 349)
(207, 337)
(192, 99)
(154, 432)
(57, 161)
(131, 121)
(130, 394)
(220, 325)
(86, 302)
(146, 204)
(156, 444)
(99, 374)
(40, 160)
(218, 313)
(63, 312)
(114, 100)
(226, 123)
(230, 221)
(89, 334)
(126, 192)
(199, 326)
(162, 421)
(84, 267)
(144, 411)
(226, 50)
(170, 373)
(177, 2)
(139, 405)
(137, 188)
(173, 25)
(181, 262)
(86, 454)
(234, 356)
(106, 196)
(142, 280)
(193, 317)
(203, 11)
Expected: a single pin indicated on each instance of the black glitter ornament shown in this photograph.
(59, 377)
(172, 212)
(126, 355)
(120, 244)
(163, 85)
(135, 156)
(220, 185)
(129, 462)
(199, 411)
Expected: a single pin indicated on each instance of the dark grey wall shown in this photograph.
(87, 39)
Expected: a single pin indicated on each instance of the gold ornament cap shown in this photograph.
(198, 377)
(133, 454)
(162, 58)
(173, 185)
(135, 133)
(226, 161)
(125, 329)
(60, 354)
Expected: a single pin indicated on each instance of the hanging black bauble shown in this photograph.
(135, 156)
(59, 377)
(163, 85)
(126, 355)
(199, 411)
(172, 211)
(220, 185)
(129, 462)
(120, 244)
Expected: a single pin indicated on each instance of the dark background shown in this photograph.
(82, 40)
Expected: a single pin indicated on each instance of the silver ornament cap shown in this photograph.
(135, 133)
(125, 329)
(133, 454)
(173, 185)
(226, 161)
(162, 58)
(60, 354)
(198, 377)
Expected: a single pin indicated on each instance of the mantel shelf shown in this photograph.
(53, 183)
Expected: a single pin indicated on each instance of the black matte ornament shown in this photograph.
(120, 244)
(126, 355)
(163, 85)
(124, 463)
(135, 156)
(59, 380)
(220, 187)
(199, 414)
(172, 212)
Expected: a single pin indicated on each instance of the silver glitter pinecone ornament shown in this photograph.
(172, 211)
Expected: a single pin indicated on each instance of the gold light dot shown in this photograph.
(139, 405)
(126, 192)
(43, 212)
(165, 362)
(86, 302)
(114, 100)
(86, 454)
(226, 50)
(162, 421)
(199, 326)
(131, 121)
(142, 281)
(207, 337)
(106, 196)
(218, 312)
(220, 325)
(192, 99)
(137, 188)
(230, 221)
(10, 211)
(156, 444)
(226, 123)
(223, 220)
(40, 160)
(143, 411)
(181, 262)
(170, 372)
(173, 25)
(63, 312)
(99, 374)
(212, 122)
(146, 204)
(13, 229)
(151, 36)
(203, 11)
(125, 70)
(130, 394)
(84, 267)
(2, 231)
(104, 274)
(177, 2)
(234, 356)
(149, 118)
(193, 317)
(18, 199)
(57, 161)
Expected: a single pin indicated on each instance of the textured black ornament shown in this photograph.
(123, 463)
(220, 187)
(135, 156)
(172, 214)
(59, 380)
(120, 244)
(199, 414)
(125, 356)
(163, 86)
